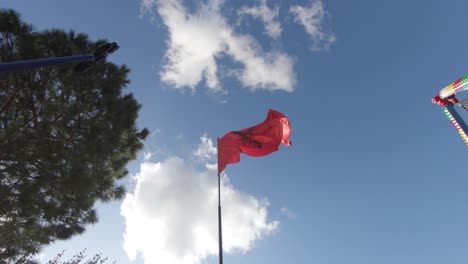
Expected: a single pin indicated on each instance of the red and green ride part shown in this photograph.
(446, 98)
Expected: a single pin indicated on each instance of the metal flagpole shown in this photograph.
(220, 229)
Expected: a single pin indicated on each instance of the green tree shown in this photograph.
(79, 258)
(65, 138)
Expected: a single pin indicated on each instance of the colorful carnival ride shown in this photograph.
(447, 99)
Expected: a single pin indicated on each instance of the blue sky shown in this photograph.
(375, 173)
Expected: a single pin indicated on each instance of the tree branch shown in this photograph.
(6, 105)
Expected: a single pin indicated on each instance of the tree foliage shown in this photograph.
(79, 258)
(65, 138)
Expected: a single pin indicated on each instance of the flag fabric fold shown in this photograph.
(256, 141)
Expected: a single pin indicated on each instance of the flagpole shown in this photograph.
(220, 230)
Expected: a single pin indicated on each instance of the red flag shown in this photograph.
(256, 141)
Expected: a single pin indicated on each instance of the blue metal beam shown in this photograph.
(30, 64)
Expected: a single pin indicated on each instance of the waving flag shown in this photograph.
(256, 141)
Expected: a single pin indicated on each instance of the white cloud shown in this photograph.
(272, 71)
(205, 151)
(267, 15)
(196, 40)
(171, 217)
(147, 6)
(287, 212)
(312, 19)
(156, 131)
(194, 43)
(147, 156)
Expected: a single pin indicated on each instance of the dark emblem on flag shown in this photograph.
(246, 138)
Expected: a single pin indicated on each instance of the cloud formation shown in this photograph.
(147, 156)
(311, 18)
(269, 17)
(287, 212)
(171, 217)
(197, 40)
(206, 151)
